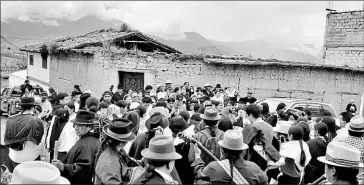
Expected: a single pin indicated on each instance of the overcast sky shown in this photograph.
(286, 21)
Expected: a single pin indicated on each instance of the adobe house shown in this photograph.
(103, 58)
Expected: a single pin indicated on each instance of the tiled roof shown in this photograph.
(97, 38)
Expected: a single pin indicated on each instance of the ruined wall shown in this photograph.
(344, 39)
(100, 71)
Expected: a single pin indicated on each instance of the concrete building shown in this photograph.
(344, 39)
(95, 64)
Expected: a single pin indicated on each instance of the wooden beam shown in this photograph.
(136, 41)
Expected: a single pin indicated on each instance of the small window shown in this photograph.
(316, 110)
(31, 60)
(44, 63)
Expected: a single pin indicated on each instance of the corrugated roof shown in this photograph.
(97, 38)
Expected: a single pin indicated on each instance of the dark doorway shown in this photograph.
(134, 81)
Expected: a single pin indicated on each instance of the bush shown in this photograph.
(44, 51)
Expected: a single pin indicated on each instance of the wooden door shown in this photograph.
(134, 81)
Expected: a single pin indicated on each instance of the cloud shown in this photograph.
(289, 21)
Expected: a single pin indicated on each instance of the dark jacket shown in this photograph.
(23, 127)
(217, 175)
(315, 168)
(183, 165)
(79, 162)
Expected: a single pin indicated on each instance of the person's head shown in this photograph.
(130, 91)
(28, 104)
(171, 102)
(196, 107)
(178, 124)
(83, 123)
(236, 93)
(26, 81)
(186, 84)
(176, 90)
(179, 99)
(320, 129)
(253, 112)
(134, 96)
(250, 94)
(44, 96)
(161, 154)
(148, 88)
(146, 101)
(128, 99)
(76, 88)
(51, 90)
(107, 96)
(352, 109)
(220, 106)
(342, 163)
(70, 107)
(92, 104)
(211, 116)
(185, 115)
(103, 107)
(123, 106)
(225, 124)
(120, 89)
(76, 96)
(356, 126)
(63, 98)
(331, 126)
(265, 108)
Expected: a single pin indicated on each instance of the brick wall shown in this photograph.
(344, 39)
(100, 71)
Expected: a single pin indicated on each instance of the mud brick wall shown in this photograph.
(344, 39)
(99, 71)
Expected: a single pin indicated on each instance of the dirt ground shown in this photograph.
(44, 153)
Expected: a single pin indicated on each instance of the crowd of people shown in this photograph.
(179, 135)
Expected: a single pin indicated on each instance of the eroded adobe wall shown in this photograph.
(344, 39)
(100, 71)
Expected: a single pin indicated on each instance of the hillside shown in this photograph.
(24, 33)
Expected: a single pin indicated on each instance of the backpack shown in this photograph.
(211, 144)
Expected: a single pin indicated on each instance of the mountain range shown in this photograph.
(23, 33)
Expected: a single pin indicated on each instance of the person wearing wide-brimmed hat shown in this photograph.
(185, 149)
(111, 160)
(207, 90)
(23, 133)
(78, 165)
(160, 155)
(356, 133)
(232, 169)
(209, 132)
(342, 163)
(155, 121)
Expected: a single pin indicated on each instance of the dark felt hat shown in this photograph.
(121, 103)
(185, 115)
(75, 93)
(28, 101)
(120, 129)
(218, 86)
(156, 119)
(161, 104)
(84, 117)
(178, 124)
(196, 117)
(179, 97)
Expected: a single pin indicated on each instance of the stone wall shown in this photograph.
(344, 39)
(100, 71)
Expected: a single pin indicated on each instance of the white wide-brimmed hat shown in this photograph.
(37, 172)
(342, 155)
(356, 124)
(208, 85)
(233, 140)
